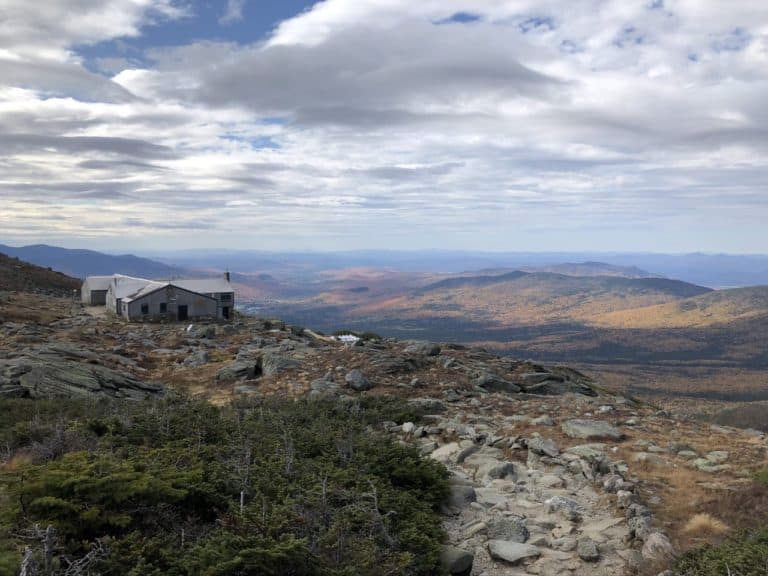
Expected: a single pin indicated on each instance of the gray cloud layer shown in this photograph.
(540, 125)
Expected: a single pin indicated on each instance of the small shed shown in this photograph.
(94, 290)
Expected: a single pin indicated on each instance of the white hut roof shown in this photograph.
(128, 288)
(148, 288)
(98, 282)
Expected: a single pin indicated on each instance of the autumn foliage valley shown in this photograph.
(675, 342)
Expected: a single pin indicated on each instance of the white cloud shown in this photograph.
(386, 122)
(233, 12)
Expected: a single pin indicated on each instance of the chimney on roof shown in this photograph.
(226, 275)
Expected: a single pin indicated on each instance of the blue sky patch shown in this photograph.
(629, 36)
(460, 18)
(735, 41)
(205, 22)
(536, 24)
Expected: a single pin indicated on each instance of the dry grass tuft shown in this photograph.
(704, 526)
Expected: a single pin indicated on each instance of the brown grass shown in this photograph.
(704, 526)
(745, 508)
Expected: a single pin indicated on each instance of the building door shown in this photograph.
(225, 312)
(183, 312)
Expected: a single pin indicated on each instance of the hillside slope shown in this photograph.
(530, 298)
(82, 263)
(19, 276)
(718, 307)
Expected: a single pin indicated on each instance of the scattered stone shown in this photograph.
(445, 452)
(493, 383)
(430, 405)
(197, 359)
(512, 552)
(273, 364)
(423, 348)
(234, 372)
(543, 420)
(543, 447)
(357, 381)
(460, 496)
(456, 561)
(511, 529)
(569, 508)
(495, 470)
(717, 456)
(587, 550)
(591, 429)
(657, 548)
(323, 387)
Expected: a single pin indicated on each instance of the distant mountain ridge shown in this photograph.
(81, 263)
(593, 268)
(569, 283)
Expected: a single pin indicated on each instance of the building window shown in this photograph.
(144, 309)
(226, 297)
(163, 308)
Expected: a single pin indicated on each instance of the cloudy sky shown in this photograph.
(481, 124)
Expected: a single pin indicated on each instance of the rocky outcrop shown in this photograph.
(48, 374)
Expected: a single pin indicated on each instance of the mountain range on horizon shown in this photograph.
(710, 270)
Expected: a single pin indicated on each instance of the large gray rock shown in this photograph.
(560, 387)
(591, 429)
(587, 550)
(512, 552)
(511, 529)
(492, 469)
(197, 359)
(356, 380)
(456, 561)
(272, 364)
(532, 378)
(543, 447)
(657, 547)
(493, 383)
(423, 348)
(562, 381)
(322, 387)
(397, 364)
(460, 496)
(235, 372)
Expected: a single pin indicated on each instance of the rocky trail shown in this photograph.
(551, 474)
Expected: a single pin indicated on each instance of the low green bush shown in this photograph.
(744, 554)
(182, 487)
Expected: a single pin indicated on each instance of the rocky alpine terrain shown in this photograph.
(551, 474)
